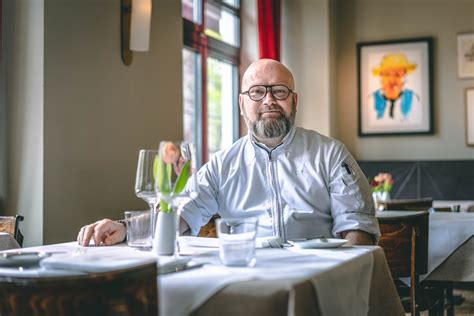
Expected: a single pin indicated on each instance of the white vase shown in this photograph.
(164, 242)
(385, 196)
(380, 196)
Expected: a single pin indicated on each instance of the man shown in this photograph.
(304, 184)
(392, 72)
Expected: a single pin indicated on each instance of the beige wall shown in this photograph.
(98, 112)
(24, 108)
(369, 20)
(305, 49)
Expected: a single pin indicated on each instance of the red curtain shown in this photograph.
(269, 12)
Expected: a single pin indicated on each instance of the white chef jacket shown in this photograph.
(309, 185)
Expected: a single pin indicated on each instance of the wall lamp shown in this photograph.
(135, 22)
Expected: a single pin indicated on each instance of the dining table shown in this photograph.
(346, 280)
(450, 238)
(450, 250)
(451, 245)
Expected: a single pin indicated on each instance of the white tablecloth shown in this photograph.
(447, 231)
(338, 275)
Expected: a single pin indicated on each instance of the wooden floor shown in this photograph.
(466, 308)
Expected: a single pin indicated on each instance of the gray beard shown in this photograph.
(272, 128)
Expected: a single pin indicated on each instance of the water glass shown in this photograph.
(139, 234)
(237, 240)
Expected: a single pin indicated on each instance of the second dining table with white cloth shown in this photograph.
(451, 240)
(449, 232)
(289, 281)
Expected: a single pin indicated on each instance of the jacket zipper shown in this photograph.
(278, 216)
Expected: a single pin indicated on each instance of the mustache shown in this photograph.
(275, 108)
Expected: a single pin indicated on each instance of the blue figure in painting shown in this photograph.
(392, 71)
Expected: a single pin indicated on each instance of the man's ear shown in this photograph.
(295, 101)
(241, 104)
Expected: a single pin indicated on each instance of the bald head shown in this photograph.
(267, 72)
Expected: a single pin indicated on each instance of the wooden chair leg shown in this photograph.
(449, 299)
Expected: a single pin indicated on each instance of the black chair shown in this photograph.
(404, 239)
(11, 225)
(124, 292)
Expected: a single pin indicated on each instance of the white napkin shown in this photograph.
(96, 261)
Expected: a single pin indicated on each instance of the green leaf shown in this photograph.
(164, 207)
(155, 166)
(169, 171)
(182, 178)
(162, 178)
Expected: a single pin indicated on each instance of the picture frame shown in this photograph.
(466, 55)
(395, 87)
(469, 116)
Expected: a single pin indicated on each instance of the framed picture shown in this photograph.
(395, 87)
(470, 116)
(466, 55)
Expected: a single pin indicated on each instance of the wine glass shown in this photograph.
(145, 184)
(175, 185)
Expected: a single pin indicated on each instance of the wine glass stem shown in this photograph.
(152, 219)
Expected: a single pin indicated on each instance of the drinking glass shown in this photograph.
(237, 240)
(145, 183)
(138, 229)
(176, 185)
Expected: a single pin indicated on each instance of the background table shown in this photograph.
(450, 247)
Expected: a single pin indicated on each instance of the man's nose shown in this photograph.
(269, 99)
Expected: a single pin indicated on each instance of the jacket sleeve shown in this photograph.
(352, 206)
(199, 210)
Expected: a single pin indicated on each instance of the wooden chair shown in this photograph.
(209, 230)
(404, 239)
(124, 292)
(407, 205)
(11, 225)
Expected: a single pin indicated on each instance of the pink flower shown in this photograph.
(170, 153)
(381, 182)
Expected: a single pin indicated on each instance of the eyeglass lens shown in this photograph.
(257, 93)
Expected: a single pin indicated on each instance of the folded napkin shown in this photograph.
(95, 261)
(261, 242)
(172, 264)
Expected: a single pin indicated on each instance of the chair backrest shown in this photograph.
(11, 225)
(124, 292)
(407, 205)
(209, 230)
(404, 239)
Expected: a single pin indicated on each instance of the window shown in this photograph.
(210, 74)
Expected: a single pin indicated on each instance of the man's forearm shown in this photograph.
(358, 237)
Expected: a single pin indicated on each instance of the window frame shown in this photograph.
(195, 39)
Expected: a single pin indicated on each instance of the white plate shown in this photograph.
(22, 259)
(199, 241)
(319, 243)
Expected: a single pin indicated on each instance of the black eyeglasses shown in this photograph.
(258, 92)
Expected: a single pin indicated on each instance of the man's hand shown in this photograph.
(358, 237)
(106, 231)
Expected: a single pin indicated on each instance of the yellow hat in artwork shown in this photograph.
(392, 61)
